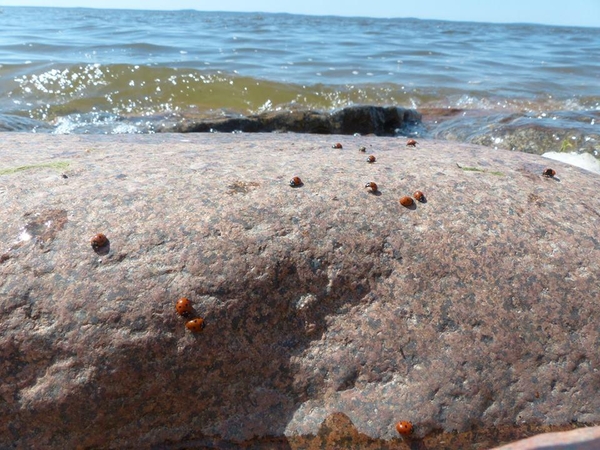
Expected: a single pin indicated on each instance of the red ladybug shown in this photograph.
(295, 182)
(371, 185)
(404, 428)
(371, 159)
(419, 196)
(196, 325)
(549, 173)
(406, 201)
(411, 143)
(183, 307)
(98, 241)
(337, 145)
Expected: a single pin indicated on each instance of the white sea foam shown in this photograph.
(584, 160)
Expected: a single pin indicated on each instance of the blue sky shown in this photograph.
(556, 12)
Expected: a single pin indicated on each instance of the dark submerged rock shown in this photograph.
(378, 120)
(10, 122)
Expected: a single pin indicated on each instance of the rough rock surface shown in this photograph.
(580, 439)
(331, 312)
(378, 120)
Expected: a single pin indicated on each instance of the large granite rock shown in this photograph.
(331, 313)
(579, 439)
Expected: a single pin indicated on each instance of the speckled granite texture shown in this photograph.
(474, 314)
(580, 439)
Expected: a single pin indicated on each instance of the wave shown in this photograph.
(49, 93)
(128, 98)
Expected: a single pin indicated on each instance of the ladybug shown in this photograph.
(411, 143)
(404, 428)
(406, 201)
(98, 241)
(337, 145)
(196, 325)
(371, 159)
(296, 182)
(362, 149)
(549, 173)
(183, 307)
(419, 196)
(371, 185)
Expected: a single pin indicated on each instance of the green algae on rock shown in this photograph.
(60, 165)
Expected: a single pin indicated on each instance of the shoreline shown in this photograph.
(574, 139)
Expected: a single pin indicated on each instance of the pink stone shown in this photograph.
(476, 309)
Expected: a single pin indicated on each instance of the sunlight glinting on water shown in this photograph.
(128, 71)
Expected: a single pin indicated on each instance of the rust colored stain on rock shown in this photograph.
(473, 316)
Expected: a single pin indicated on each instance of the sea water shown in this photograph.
(523, 87)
